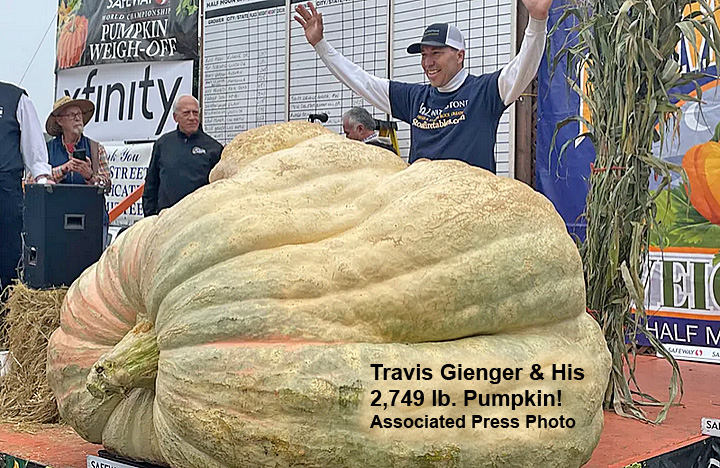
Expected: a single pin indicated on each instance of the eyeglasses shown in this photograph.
(72, 115)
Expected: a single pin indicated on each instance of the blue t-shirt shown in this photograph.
(458, 125)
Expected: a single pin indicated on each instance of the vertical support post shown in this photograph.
(288, 24)
(522, 153)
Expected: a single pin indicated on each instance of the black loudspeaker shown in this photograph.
(62, 232)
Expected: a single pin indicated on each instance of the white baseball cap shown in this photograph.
(439, 35)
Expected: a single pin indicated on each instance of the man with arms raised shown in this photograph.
(456, 116)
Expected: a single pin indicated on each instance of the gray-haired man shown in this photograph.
(359, 125)
(181, 160)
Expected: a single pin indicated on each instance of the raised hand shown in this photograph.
(538, 9)
(311, 21)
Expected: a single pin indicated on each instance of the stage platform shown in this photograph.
(623, 442)
(49, 445)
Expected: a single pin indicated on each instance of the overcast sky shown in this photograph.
(22, 26)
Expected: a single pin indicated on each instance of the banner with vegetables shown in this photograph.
(93, 32)
(683, 271)
(683, 291)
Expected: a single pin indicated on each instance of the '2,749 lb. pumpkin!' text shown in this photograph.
(461, 392)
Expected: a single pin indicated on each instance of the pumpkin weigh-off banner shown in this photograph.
(682, 296)
(682, 301)
(94, 32)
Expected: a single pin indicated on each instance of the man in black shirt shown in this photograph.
(181, 160)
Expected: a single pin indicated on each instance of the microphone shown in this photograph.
(322, 117)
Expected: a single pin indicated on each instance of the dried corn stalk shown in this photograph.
(627, 50)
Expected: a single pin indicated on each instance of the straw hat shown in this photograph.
(87, 107)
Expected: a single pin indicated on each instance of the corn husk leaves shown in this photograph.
(627, 51)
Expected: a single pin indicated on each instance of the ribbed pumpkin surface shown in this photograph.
(267, 295)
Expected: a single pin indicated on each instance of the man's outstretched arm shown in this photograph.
(375, 90)
(521, 70)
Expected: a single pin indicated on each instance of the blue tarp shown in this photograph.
(564, 181)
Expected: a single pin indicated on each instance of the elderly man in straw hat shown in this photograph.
(66, 123)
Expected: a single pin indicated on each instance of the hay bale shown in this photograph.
(30, 318)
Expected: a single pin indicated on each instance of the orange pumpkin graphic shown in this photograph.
(702, 165)
(71, 42)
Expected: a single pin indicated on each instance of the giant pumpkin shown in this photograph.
(240, 327)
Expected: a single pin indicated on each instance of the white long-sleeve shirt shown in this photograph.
(32, 140)
(513, 79)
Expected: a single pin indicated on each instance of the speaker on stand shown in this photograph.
(62, 232)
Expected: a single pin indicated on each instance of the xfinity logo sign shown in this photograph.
(133, 101)
(143, 87)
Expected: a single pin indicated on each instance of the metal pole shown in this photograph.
(288, 18)
(201, 59)
(513, 109)
(389, 44)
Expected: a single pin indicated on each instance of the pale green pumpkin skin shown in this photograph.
(272, 290)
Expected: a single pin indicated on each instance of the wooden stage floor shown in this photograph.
(55, 445)
(623, 441)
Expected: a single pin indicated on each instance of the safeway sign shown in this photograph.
(133, 101)
(711, 427)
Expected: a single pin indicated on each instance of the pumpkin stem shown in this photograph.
(132, 363)
(716, 136)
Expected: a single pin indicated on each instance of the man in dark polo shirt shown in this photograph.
(181, 160)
